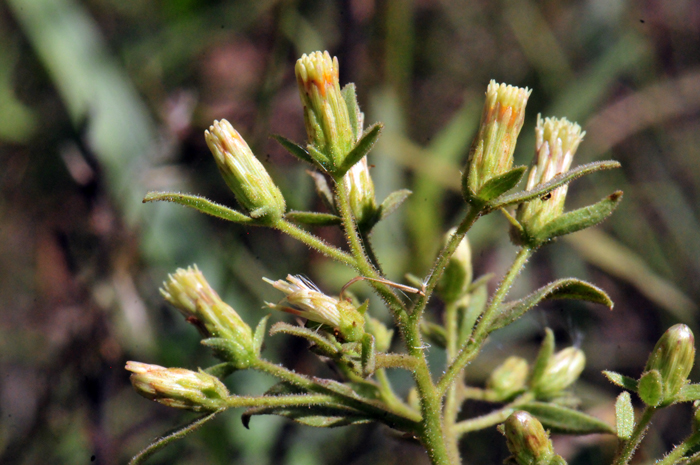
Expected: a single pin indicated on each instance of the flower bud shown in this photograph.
(325, 111)
(359, 184)
(556, 144)
(562, 370)
(527, 440)
(177, 387)
(189, 292)
(305, 300)
(243, 173)
(508, 379)
(382, 334)
(673, 357)
(491, 153)
(457, 276)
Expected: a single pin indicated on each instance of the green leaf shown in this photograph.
(568, 288)
(556, 181)
(320, 416)
(222, 370)
(392, 202)
(228, 351)
(295, 149)
(624, 416)
(349, 93)
(313, 218)
(322, 343)
(651, 388)
(362, 148)
(689, 393)
(202, 204)
(622, 381)
(501, 184)
(434, 333)
(323, 190)
(259, 336)
(579, 219)
(565, 420)
(543, 357)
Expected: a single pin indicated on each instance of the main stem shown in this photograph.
(627, 448)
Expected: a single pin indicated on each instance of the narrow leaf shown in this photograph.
(349, 94)
(259, 336)
(362, 148)
(543, 357)
(202, 204)
(499, 185)
(569, 288)
(689, 393)
(313, 218)
(556, 181)
(163, 441)
(294, 148)
(579, 219)
(317, 338)
(321, 416)
(651, 388)
(565, 420)
(392, 202)
(624, 416)
(625, 382)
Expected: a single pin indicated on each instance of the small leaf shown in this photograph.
(568, 288)
(651, 388)
(556, 181)
(222, 370)
(349, 94)
(321, 416)
(200, 203)
(392, 202)
(284, 388)
(565, 420)
(624, 416)
(313, 218)
(501, 184)
(228, 351)
(259, 336)
(323, 190)
(434, 333)
(622, 381)
(362, 148)
(543, 357)
(579, 219)
(294, 148)
(322, 343)
(689, 393)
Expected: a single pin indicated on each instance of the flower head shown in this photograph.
(562, 370)
(491, 153)
(325, 111)
(305, 300)
(361, 188)
(527, 440)
(673, 356)
(177, 387)
(243, 173)
(556, 143)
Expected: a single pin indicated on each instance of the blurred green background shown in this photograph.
(103, 100)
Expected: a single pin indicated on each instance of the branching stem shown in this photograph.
(627, 448)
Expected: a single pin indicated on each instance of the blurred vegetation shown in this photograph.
(103, 100)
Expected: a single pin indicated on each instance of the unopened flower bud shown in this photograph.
(189, 292)
(562, 370)
(508, 379)
(325, 111)
(382, 334)
(177, 387)
(491, 153)
(556, 144)
(359, 184)
(243, 173)
(673, 357)
(304, 299)
(527, 440)
(457, 276)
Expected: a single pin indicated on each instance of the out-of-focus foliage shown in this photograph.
(103, 100)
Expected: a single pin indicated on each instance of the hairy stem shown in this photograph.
(627, 448)
(473, 346)
(452, 401)
(389, 396)
(315, 243)
(490, 419)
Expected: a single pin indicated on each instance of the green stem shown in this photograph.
(315, 242)
(679, 451)
(443, 257)
(362, 261)
(389, 396)
(452, 401)
(279, 401)
(396, 361)
(473, 346)
(493, 418)
(627, 448)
